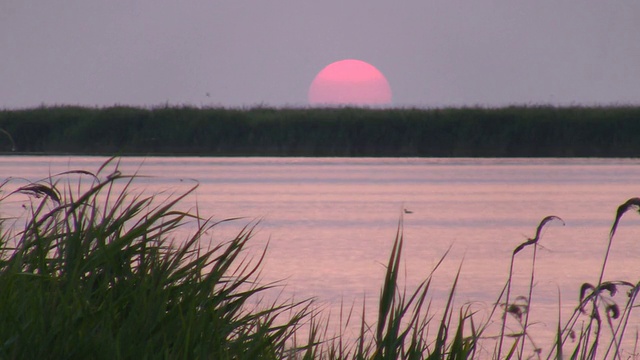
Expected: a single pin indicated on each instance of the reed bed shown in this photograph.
(96, 269)
(516, 131)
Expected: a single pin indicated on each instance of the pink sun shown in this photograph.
(350, 82)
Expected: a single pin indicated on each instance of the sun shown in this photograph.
(350, 82)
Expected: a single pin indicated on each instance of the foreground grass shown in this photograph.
(95, 272)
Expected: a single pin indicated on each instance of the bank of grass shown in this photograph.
(97, 272)
(517, 131)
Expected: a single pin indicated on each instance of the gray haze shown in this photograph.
(246, 53)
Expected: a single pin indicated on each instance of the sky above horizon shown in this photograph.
(249, 53)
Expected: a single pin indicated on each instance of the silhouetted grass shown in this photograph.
(533, 131)
(602, 310)
(96, 271)
(94, 274)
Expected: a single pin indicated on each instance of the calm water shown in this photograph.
(331, 222)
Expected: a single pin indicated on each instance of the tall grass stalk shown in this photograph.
(533, 272)
(517, 309)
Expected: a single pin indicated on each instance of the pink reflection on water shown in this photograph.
(331, 223)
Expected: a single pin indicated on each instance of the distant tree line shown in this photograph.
(542, 131)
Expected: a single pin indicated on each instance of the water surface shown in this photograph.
(330, 222)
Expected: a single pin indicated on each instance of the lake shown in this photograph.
(330, 222)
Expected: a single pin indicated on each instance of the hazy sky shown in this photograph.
(245, 53)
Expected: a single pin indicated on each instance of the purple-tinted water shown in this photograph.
(331, 222)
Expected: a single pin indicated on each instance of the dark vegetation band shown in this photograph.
(527, 131)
